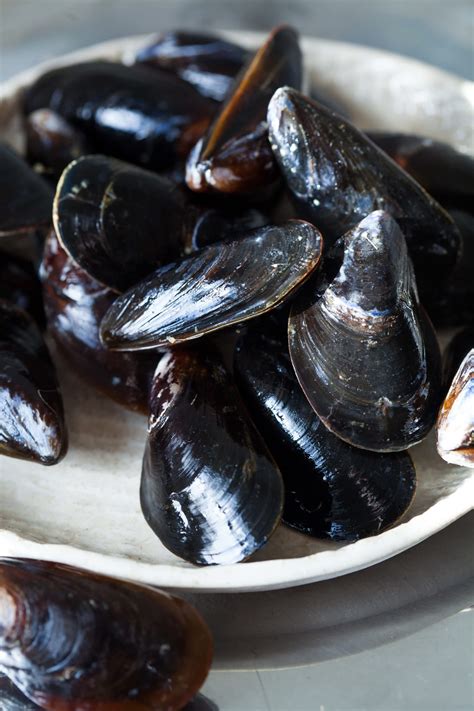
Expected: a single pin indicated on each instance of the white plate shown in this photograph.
(85, 511)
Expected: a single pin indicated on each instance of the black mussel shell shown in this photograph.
(450, 301)
(364, 351)
(119, 222)
(25, 198)
(332, 490)
(32, 423)
(73, 640)
(142, 115)
(216, 287)
(447, 174)
(52, 142)
(234, 156)
(19, 284)
(75, 304)
(11, 698)
(209, 490)
(339, 176)
(456, 350)
(455, 426)
(208, 62)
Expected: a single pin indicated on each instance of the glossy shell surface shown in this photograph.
(74, 641)
(210, 489)
(216, 287)
(332, 490)
(364, 351)
(32, 425)
(456, 417)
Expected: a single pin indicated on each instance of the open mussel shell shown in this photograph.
(119, 222)
(19, 284)
(73, 640)
(25, 198)
(210, 490)
(75, 304)
(219, 286)
(208, 62)
(447, 174)
(234, 156)
(146, 116)
(332, 490)
(32, 424)
(455, 426)
(364, 351)
(52, 142)
(339, 176)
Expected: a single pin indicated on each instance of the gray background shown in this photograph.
(431, 669)
(437, 31)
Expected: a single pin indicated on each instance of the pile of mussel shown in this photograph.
(213, 248)
(242, 264)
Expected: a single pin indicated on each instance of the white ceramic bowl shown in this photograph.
(85, 511)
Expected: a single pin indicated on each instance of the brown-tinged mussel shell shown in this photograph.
(75, 304)
(32, 423)
(364, 351)
(11, 698)
(208, 62)
(339, 176)
(332, 490)
(19, 284)
(146, 116)
(447, 174)
(450, 301)
(210, 490)
(455, 427)
(52, 142)
(219, 286)
(456, 350)
(234, 156)
(119, 222)
(25, 198)
(72, 640)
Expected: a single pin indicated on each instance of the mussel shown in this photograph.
(52, 142)
(364, 351)
(455, 426)
(146, 116)
(332, 490)
(209, 490)
(208, 62)
(71, 640)
(447, 174)
(234, 156)
(19, 283)
(119, 222)
(25, 198)
(339, 176)
(218, 286)
(75, 304)
(32, 424)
